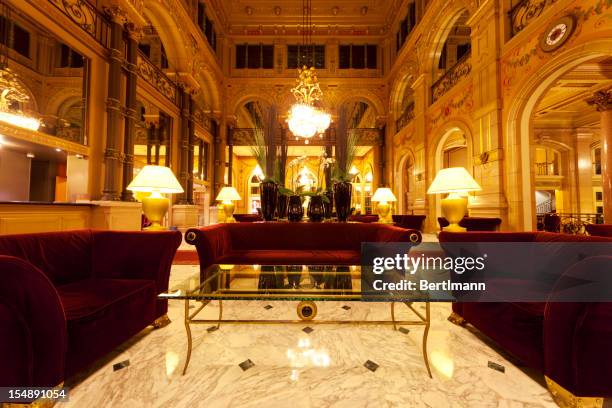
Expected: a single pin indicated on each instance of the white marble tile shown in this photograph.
(292, 368)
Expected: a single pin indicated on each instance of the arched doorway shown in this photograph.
(554, 99)
(454, 149)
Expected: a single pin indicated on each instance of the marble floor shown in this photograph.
(293, 368)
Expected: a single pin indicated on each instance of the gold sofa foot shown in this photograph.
(161, 321)
(456, 319)
(566, 399)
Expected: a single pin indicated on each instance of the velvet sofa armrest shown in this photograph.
(33, 334)
(577, 336)
(135, 255)
(398, 234)
(211, 242)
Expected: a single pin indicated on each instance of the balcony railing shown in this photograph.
(86, 16)
(546, 169)
(406, 118)
(523, 13)
(568, 223)
(454, 74)
(156, 77)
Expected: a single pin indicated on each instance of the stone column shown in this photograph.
(423, 174)
(114, 131)
(584, 171)
(131, 114)
(487, 140)
(603, 101)
(219, 156)
(186, 147)
(379, 161)
(230, 154)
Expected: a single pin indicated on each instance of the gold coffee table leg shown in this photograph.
(425, 333)
(220, 313)
(188, 329)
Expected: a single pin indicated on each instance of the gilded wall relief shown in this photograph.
(592, 19)
(459, 104)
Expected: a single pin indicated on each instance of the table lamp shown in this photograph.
(155, 180)
(456, 181)
(384, 196)
(227, 196)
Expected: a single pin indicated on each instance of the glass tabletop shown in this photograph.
(278, 282)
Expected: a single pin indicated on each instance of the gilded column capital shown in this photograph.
(602, 100)
(116, 14)
(134, 32)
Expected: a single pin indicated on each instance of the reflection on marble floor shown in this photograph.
(292, 368)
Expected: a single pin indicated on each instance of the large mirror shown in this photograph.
(42, 105)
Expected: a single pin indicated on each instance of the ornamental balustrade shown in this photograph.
(86, 16)
(156, 77)
(571, 223)
(451, 77)
(366, 137)
(524, 12)
(406, 117)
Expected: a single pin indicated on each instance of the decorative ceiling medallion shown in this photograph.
(557, 33)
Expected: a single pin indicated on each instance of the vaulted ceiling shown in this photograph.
(564, 104)
(359, 13)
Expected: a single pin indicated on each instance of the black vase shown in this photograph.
(281, 206)
(269, 197)
(295, 211)
(316, 210)
(329, 205)
(342, 199)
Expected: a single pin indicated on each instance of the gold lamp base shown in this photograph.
(228, 210)
(155, 207)
(384, 209)
(454, 208)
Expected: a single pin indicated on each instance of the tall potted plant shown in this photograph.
(346, 143)
(295, 211)
(318, 198)
(283, 199)
(265, 154)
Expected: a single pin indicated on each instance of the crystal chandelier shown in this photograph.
(12, 92)
(304, 118)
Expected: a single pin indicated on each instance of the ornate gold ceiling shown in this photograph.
(373, 15)
(564, 105)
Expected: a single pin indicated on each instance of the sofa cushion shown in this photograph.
(103, 313)
(516, 327)
(63, 256)
(287, 257)
(599, 230)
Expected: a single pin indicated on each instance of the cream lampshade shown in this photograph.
(455, 181)
(384, 196)
(227, 196)
(155, 180)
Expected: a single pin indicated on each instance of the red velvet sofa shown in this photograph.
(409, 221)
(69, 298)
(366, 218)
(248, 217)
(568, 342)
(278, 243)
(599, 230)
(474, 223)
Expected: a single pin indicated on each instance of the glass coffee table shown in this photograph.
(301, 283)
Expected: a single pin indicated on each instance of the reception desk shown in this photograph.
(19, 217)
